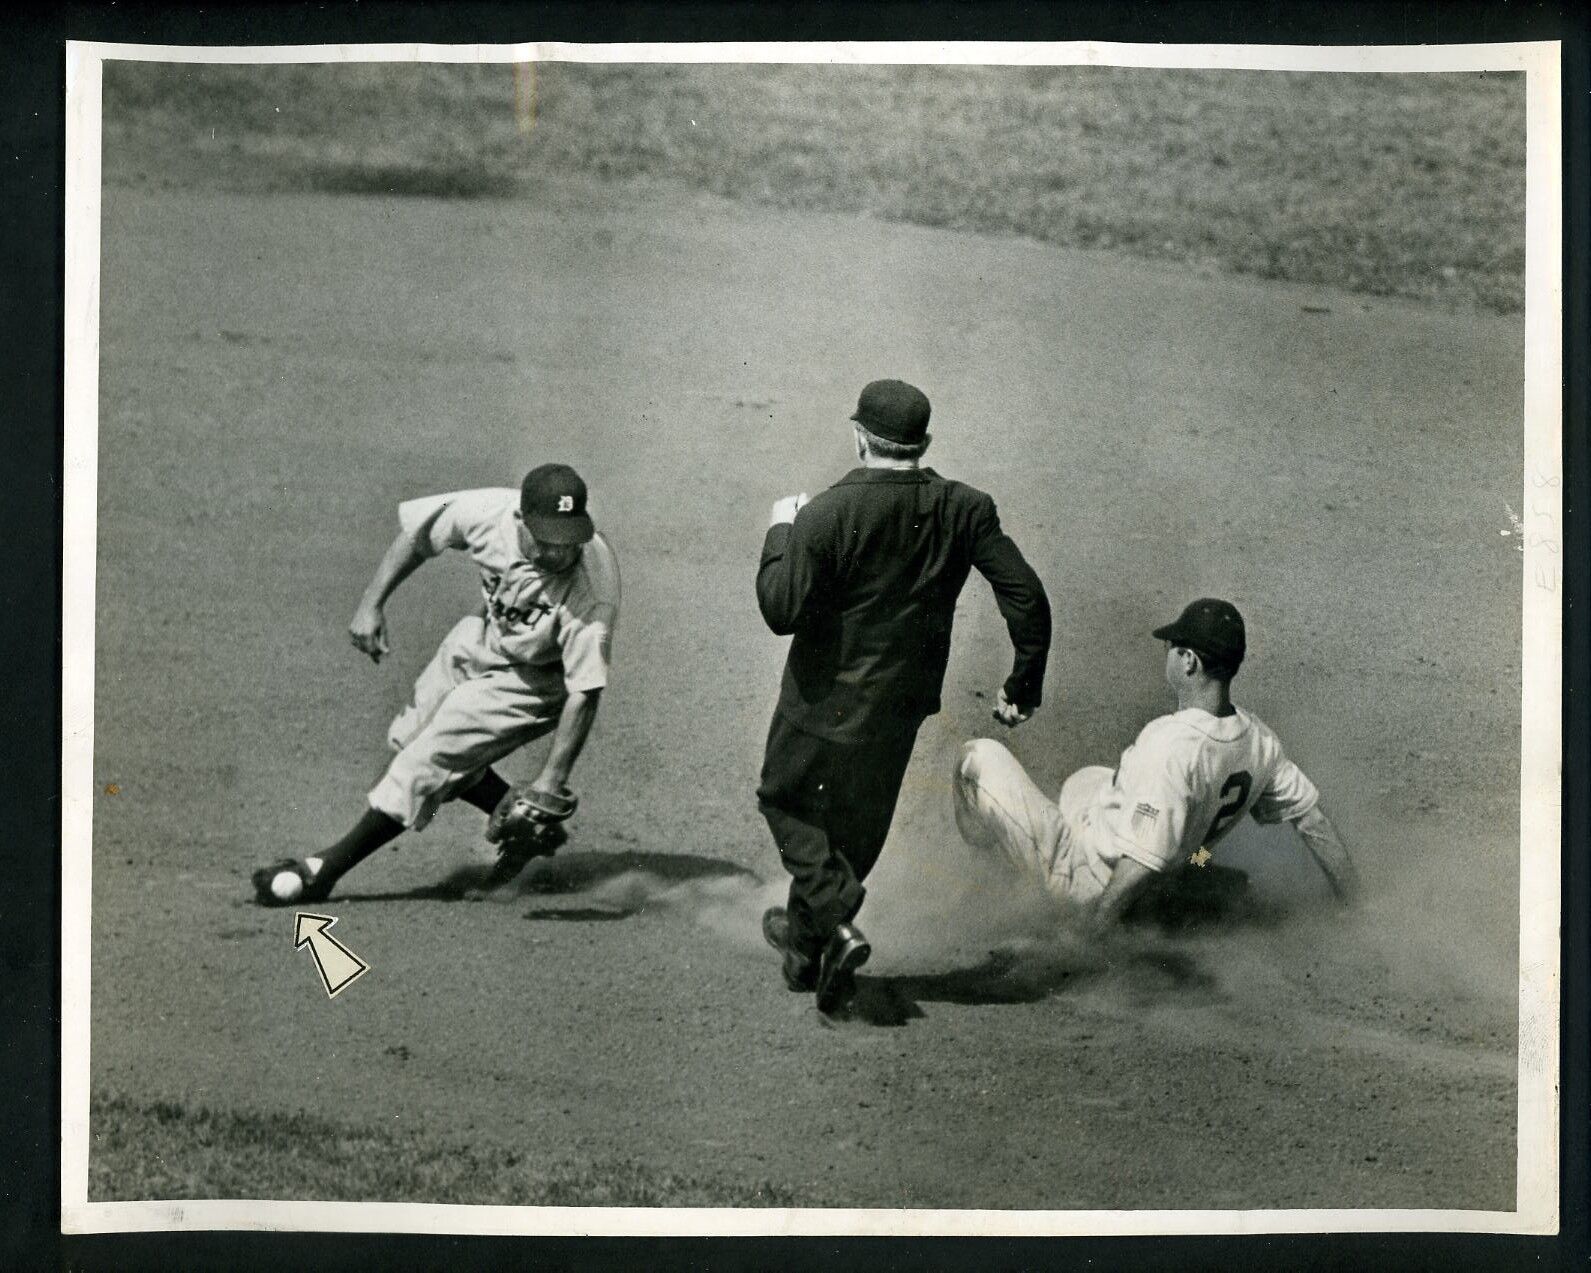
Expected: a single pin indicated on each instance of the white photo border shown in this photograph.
(1536, 1209)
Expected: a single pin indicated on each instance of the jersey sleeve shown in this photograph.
(586, 635)
(1288, 796)
(587, 646)
(1154, 807)
(454, 520)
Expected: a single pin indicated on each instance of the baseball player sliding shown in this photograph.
(533, 660)
(1178, 790)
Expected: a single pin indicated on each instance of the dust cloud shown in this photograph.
(1429, 940)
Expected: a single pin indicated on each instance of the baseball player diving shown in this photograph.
(532, 660)
(864, 579)
(1180, 787)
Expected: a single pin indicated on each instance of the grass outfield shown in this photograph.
(1402, 185)
(167, 1151)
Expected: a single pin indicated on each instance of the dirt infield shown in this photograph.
(278, 371)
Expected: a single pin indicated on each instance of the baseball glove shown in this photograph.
(527, 824)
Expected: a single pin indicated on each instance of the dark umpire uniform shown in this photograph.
(865, 578)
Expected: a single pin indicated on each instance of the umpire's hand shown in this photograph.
(1008, 713)
(784, 510)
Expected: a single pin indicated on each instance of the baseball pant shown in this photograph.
(829, 806)
(1000, 809)
(471, 708)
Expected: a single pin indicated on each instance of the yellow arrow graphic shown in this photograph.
(338, 966)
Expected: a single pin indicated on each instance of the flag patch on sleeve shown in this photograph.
(1145, 813)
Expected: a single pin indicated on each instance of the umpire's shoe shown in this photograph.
(800, 969)
(846, 952)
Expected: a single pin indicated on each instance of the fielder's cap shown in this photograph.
(1212, 629)
(553, 503)
(894, 410)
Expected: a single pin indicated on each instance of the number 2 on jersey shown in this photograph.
(1242, 780)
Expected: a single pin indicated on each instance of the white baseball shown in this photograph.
(286, 886)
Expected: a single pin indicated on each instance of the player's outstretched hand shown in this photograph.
(784, 510)
(368, 631)
(1008, 713)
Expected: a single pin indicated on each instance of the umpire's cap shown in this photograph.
(552, 501)
(1212, 629)
(893, 410)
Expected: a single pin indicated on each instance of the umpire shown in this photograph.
(865, 578)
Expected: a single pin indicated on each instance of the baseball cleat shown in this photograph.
(800, 970)
(287, 883)
(512, 859)
(847, 951)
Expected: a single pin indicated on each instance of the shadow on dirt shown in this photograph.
(1032, 974)
(579, 872)
(1032, 970)
(600, 886)
(464, 179)
(1203, 897)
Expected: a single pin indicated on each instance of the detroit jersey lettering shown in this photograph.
(1187, 780)
(532, 618)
